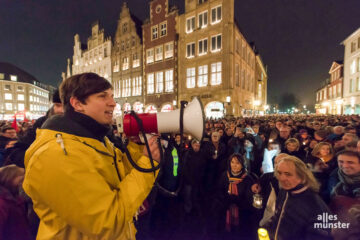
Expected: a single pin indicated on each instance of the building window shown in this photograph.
(137, 86)
(163, 29)
(216, 73)
(13, 78)
(237, 75)
(203, 46)
(136, 60)
(237, 45)
(21, 97)
(169, 50)
(150, 56)
(126, 90)
(20, 88)
(2, 76)
(190, 24)
(8, 96)
(21, 107)
(8, 106)
(358, 84)
(122, 45)
(259, 91)
(150, 83)
(216, 43)
(202, 1)
(7, 87)
(203, 19)
(159, 82)
(190, 77)
(31, 98)
(169, 80)
(216, 14)
(353, 47)
(353, 67)
(190, 50)
(116, 66)
(125, 65)
(124, 27)
(133, 41)
(159, 53)
(154, 31)
(203, 76)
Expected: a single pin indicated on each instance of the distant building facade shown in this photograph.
(21, 94)
(160, 41)
(127, 63)
(95, 57)
(351, 89)
(216, 62)
(260, 102)
(329, 98)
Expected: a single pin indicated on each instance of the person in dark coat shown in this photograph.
(298, 206)
(292, 147)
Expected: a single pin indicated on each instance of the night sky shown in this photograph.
(297, 39)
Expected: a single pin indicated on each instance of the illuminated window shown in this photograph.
(150, 56)
(150, 83)
(125, 65)
(216, 15)
(126, 90)
(237, 75)
(116, 66)
(353, 66)
(8, 96)
(21, 97)
(169, 80)
(203, 76)
(190, 77)
(8, 106)
(2, 76)
(13, 78)
(21, 107)
(216, 73)
(136, 60)
(190, 24)
(159, 82)
(137, 86)
(169, 50)
(216, 43)
(203, 19)
(190, 50)
(159, 53)
(203, 46)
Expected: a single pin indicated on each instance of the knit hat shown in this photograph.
(56, 97)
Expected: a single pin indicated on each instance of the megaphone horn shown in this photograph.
(169, 122)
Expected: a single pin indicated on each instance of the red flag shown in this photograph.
(14, 124)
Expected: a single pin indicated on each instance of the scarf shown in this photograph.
(232, 214)
(349, 185)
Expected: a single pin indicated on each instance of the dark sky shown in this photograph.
(297, 39)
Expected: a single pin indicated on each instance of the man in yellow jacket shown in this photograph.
(83, 187)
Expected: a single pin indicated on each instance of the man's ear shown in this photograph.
(76, 104)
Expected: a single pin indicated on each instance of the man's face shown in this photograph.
(256, 129)
(58, 108)
(358, 147)
(195, 146)
(271, 124)
(215, 137)
(286, 175)
(229, 131)
(98, 106)
(221, 132)
(10, 133)
(316, 126)
(346, 139)
(177, 138)
(284, 132)
(349, 164)
(278, 125)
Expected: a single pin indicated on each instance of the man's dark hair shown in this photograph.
(5, 128)
(348, 153)
(56, 97)
(81, 86)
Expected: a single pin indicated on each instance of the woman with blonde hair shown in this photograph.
(297, 205)
(292, 148)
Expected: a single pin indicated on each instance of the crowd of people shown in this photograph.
(282, 174)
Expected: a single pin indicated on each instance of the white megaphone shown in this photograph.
(169, 122)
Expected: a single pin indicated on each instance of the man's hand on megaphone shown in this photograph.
(154, 148)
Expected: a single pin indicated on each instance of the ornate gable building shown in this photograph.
(127, 64)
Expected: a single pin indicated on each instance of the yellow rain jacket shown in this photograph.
(78, 194)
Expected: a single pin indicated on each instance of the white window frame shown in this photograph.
(150, 55)
(21, 107)
(137, 86)
(216, 48)
(202, 50)
(169, 50)
(21, 97)
(8, 96)
(159, 82)
(190, 24)
(203, 19)
(163, 29)
(217, 18)
(8, 106)
(136, 60)
(216, 74)
(190, 77)
(190, 50)
(159, 53)
(125, 64)
(13, 78)
(150, 83)
(154, 32)
(169, 80)
(202, 76)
